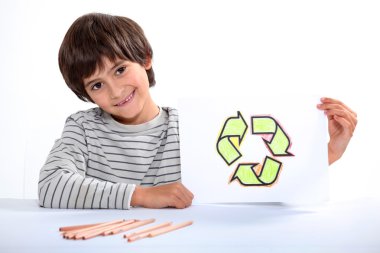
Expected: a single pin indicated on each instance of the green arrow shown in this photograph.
(263, 125)
(228, 151)
(232, 128)
(279, 143)
(247, 176)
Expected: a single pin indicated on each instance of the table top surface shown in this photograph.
(348, 226)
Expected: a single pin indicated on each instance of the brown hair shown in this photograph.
(94, 36)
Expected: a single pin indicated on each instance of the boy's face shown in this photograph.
(121, 88)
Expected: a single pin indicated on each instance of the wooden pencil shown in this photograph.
(76, 227)
(130, 226)
(159, 231)
(100, 231)
(110, 230)
(169, 229)
(113, 229)
(71, 234)
(147, 230)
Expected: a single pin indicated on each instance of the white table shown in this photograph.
(352, 226)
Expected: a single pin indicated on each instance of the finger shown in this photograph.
(328, 101)
(344, 114)
(188, 192)
(327, 106)
(185, 195)
(179, 202)
(179, 197)
(345, 124)
(334, 117)
(353, 116)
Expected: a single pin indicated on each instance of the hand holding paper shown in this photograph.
(342, 123)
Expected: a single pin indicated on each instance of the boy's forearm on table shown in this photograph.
(71, 190)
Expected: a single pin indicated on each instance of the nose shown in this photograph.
(115, 90)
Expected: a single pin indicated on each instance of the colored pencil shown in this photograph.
(71, 234)
(147, 230)
(160, 231)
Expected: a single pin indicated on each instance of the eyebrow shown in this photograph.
(117, 64)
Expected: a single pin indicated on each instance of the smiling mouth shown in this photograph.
(127, 99)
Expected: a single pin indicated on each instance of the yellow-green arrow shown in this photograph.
(234, 127)
(247, 176)
(279, 143)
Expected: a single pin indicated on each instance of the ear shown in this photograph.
(148, 63)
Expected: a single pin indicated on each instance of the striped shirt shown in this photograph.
(98, 162)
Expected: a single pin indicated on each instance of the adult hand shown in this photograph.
(341, 123)
(168, 195)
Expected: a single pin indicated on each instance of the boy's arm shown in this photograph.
(63, 182)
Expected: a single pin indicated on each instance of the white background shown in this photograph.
(200, 48)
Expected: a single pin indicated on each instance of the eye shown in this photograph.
(96, 86)
(120, 70)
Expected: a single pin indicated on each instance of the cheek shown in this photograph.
(92, 96)
(144, 82)
(98, 98)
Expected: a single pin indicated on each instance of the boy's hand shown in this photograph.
(169, 195)
(342, 122)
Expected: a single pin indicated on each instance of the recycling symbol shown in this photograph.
(253, 174)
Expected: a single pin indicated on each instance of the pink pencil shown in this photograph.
(71, 234)
(100, 231)
(112, 230)
(130, 226)
(147, 230)
(160, 231)
(71, 228)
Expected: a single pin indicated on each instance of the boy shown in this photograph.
(125, 152)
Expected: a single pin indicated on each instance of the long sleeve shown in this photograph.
(63, 182)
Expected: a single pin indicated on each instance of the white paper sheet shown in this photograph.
(256, 149)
